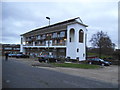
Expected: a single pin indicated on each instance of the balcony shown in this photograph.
(59, 44)
(40, 45)
(32, 39)
(53, 44)
(28, 45)
(27, 40)
(38, 38)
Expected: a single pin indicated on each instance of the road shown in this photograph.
(20, 75)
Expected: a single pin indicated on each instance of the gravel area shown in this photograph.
(106, 74)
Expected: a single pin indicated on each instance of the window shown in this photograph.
(43, 42)
(72, 35)
(62, 50)
(36, 42)
(62, 34)
(58, 41)
(43, 36)
(61, 41)
(70, 39)
(32, 36)
(55, 41)
(54, 35)
(77, 58)
(77, 49)
(26, 38)
(83, 54)
(38, 37)
(8, 48)
(16, 48)
(81, 36)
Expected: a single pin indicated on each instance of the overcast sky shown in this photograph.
(21, 17)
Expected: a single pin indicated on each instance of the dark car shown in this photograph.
(98, 61)
(12, 55)
(22, 56)
(46, 58)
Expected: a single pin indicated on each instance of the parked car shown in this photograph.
(22, 56)
(45, 58)
(42, 59)
(12, 55)
(98, 61)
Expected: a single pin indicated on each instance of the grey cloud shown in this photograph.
(21, 17)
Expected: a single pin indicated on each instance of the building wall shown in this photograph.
(73, 46)
(74, 49)
(10, 48)
(58, 52)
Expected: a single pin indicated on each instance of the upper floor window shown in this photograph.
(38, 37)
(32, 37)
(8, 48)
(61, 41)
(26, 38)
(72, 35)
(54, 35)
(81, 36)
(43, 42)
(62, 34)
(43, 36)
(16, 48)
(29, 37)
(55, 41)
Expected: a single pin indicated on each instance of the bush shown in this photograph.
(73, 60)
(83, 62)
(61, 60)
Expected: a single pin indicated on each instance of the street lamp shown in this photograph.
(48, 35)
(48, 19)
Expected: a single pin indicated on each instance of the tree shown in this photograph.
(103, 42)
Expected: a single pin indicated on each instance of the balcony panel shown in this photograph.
(28, 45)
(40, 45)
(59, 44)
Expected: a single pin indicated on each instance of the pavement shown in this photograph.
(20, 74)
(108, 74)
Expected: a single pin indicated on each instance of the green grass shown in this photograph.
(95, 54)
(102, 55)
(72, 65)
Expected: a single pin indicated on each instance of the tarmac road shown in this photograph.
(19, 75)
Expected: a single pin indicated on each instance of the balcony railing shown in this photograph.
(28, 45)
(59, 44)
(40, 45)
(28, 40)
(53, 44)
(32, 39)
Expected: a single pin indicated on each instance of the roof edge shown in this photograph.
(66, 21)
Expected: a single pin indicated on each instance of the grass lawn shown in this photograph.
(72, 65)
(102, 55)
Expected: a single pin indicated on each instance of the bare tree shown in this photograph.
(103, 42)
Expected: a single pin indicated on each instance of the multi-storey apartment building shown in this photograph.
(63, 39)
(10, 48)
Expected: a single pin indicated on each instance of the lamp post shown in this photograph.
(48, 37)
(48, 19)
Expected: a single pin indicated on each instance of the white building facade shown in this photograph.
(65, 39)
